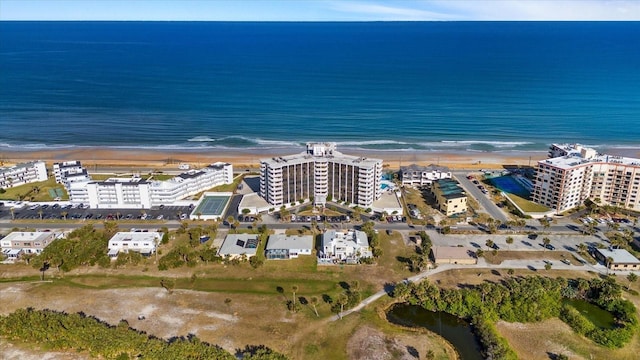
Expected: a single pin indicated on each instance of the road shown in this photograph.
(484, 200)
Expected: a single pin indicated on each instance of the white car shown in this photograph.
(160, 217)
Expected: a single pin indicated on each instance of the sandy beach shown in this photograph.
(250, 158)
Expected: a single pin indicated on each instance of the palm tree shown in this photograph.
(546, 241)
(489, 244)
(294, 290)
(609, 262)
(341, 300)
(40, 212)
(509, 241)
(13, 215)
(314, 303)
(632, 277)
(64, 214)
(230, 221)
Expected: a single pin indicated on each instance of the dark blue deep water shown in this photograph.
(484, 86)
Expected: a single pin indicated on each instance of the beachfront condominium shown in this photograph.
(68, 172)
(21, 174)
(320, 174)
(576, 173)
(415, 175)
(138, 193)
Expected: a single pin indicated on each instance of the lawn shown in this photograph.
(526, 205)
(27, 191)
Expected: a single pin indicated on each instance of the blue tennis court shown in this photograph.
(510, 185)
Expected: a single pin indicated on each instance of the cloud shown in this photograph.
(542, 9)
(524, 10)
(372, 11)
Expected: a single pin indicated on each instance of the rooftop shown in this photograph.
(452, 252)
(282, 241)
(576, 155)
(619, 256)
(136, 236)
(321, 151)
(429, 168)
(450, 188)
(238, 244)
(28, 236)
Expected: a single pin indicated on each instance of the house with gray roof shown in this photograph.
(235, 245)
(283, 247)
(618, 259)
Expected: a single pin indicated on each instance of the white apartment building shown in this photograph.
(320, 173)
(415, 175)
(137, 193)
(26, 242)
(69, 172)
(21, 174)
(580, 173)
(143, 242)
(347, 246)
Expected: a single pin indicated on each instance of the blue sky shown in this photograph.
(319, 10)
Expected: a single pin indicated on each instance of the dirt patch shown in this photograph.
(372, 344)
(537, 341)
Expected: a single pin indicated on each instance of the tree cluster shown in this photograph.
(85, 246)
(61, 331)
(528, 299)
(374, 241)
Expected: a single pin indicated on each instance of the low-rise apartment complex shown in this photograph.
(577, 173)
(415, 175)
(21, 174)
(321, 173)
(144, 243)
(138, 193)
(450, 198)
(18, 243)
(68, 172)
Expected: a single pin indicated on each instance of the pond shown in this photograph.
(455, 330)
(598, 316)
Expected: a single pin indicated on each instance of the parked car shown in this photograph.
(550, 247)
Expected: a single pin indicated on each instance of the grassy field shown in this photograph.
(526, 205)
(28, 191)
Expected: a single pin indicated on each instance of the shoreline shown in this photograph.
(250, 158)
(167, 158)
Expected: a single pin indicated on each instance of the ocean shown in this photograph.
(385, 86)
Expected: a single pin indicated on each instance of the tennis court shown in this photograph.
(211, 206)
(510, 185)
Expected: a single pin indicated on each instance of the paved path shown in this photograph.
(533, 265)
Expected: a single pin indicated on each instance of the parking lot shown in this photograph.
(55, 211)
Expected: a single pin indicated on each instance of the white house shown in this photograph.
(281, 246)
(350, 245)
(143, 242)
